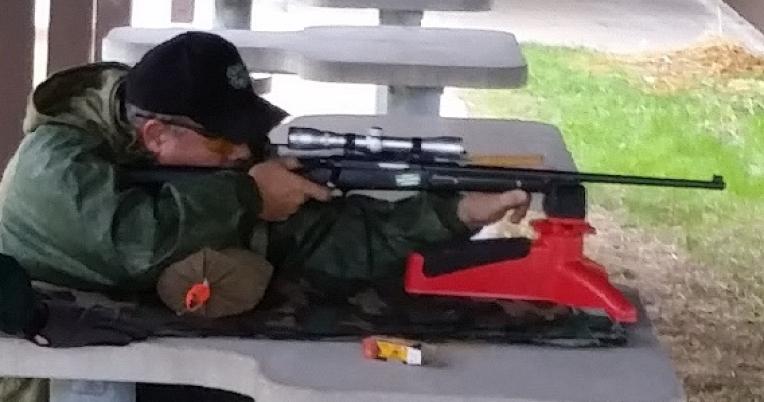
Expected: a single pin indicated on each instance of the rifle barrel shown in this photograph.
(558, 176)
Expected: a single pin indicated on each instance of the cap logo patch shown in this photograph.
(238, 77)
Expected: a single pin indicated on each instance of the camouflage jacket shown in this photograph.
(69, 222)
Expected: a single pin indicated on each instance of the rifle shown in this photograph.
(375, 162)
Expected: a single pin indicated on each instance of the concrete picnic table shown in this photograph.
(403, 12)
(335, 371)
(417, 63)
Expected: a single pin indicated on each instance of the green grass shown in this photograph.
(612, 124)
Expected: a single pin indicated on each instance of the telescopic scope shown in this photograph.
(305, 138)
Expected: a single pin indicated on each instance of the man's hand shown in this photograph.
(479, 209)
(283, 191)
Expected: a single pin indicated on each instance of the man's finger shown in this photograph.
(315, 191)
(289, 162)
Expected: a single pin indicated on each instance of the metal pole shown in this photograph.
(233, 14)
(17, 31)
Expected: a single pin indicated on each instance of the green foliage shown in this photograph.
(612, 124)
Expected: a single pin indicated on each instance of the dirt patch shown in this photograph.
(710, 321)
(713, 62)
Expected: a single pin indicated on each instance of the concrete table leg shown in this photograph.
(91, 391)
(233, 14)
(420, 101)
(395, 17)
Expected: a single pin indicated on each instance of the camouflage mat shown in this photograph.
(293, 309)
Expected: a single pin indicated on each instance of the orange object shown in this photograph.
(528, 161)
(198, 295)
(402, 350)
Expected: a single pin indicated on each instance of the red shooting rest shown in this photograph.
(554, 270)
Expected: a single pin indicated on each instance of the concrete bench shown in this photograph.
(403, 12)
(417, 63)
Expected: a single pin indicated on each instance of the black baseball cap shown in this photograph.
(201, 76)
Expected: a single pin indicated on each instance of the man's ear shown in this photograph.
(152, 135)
